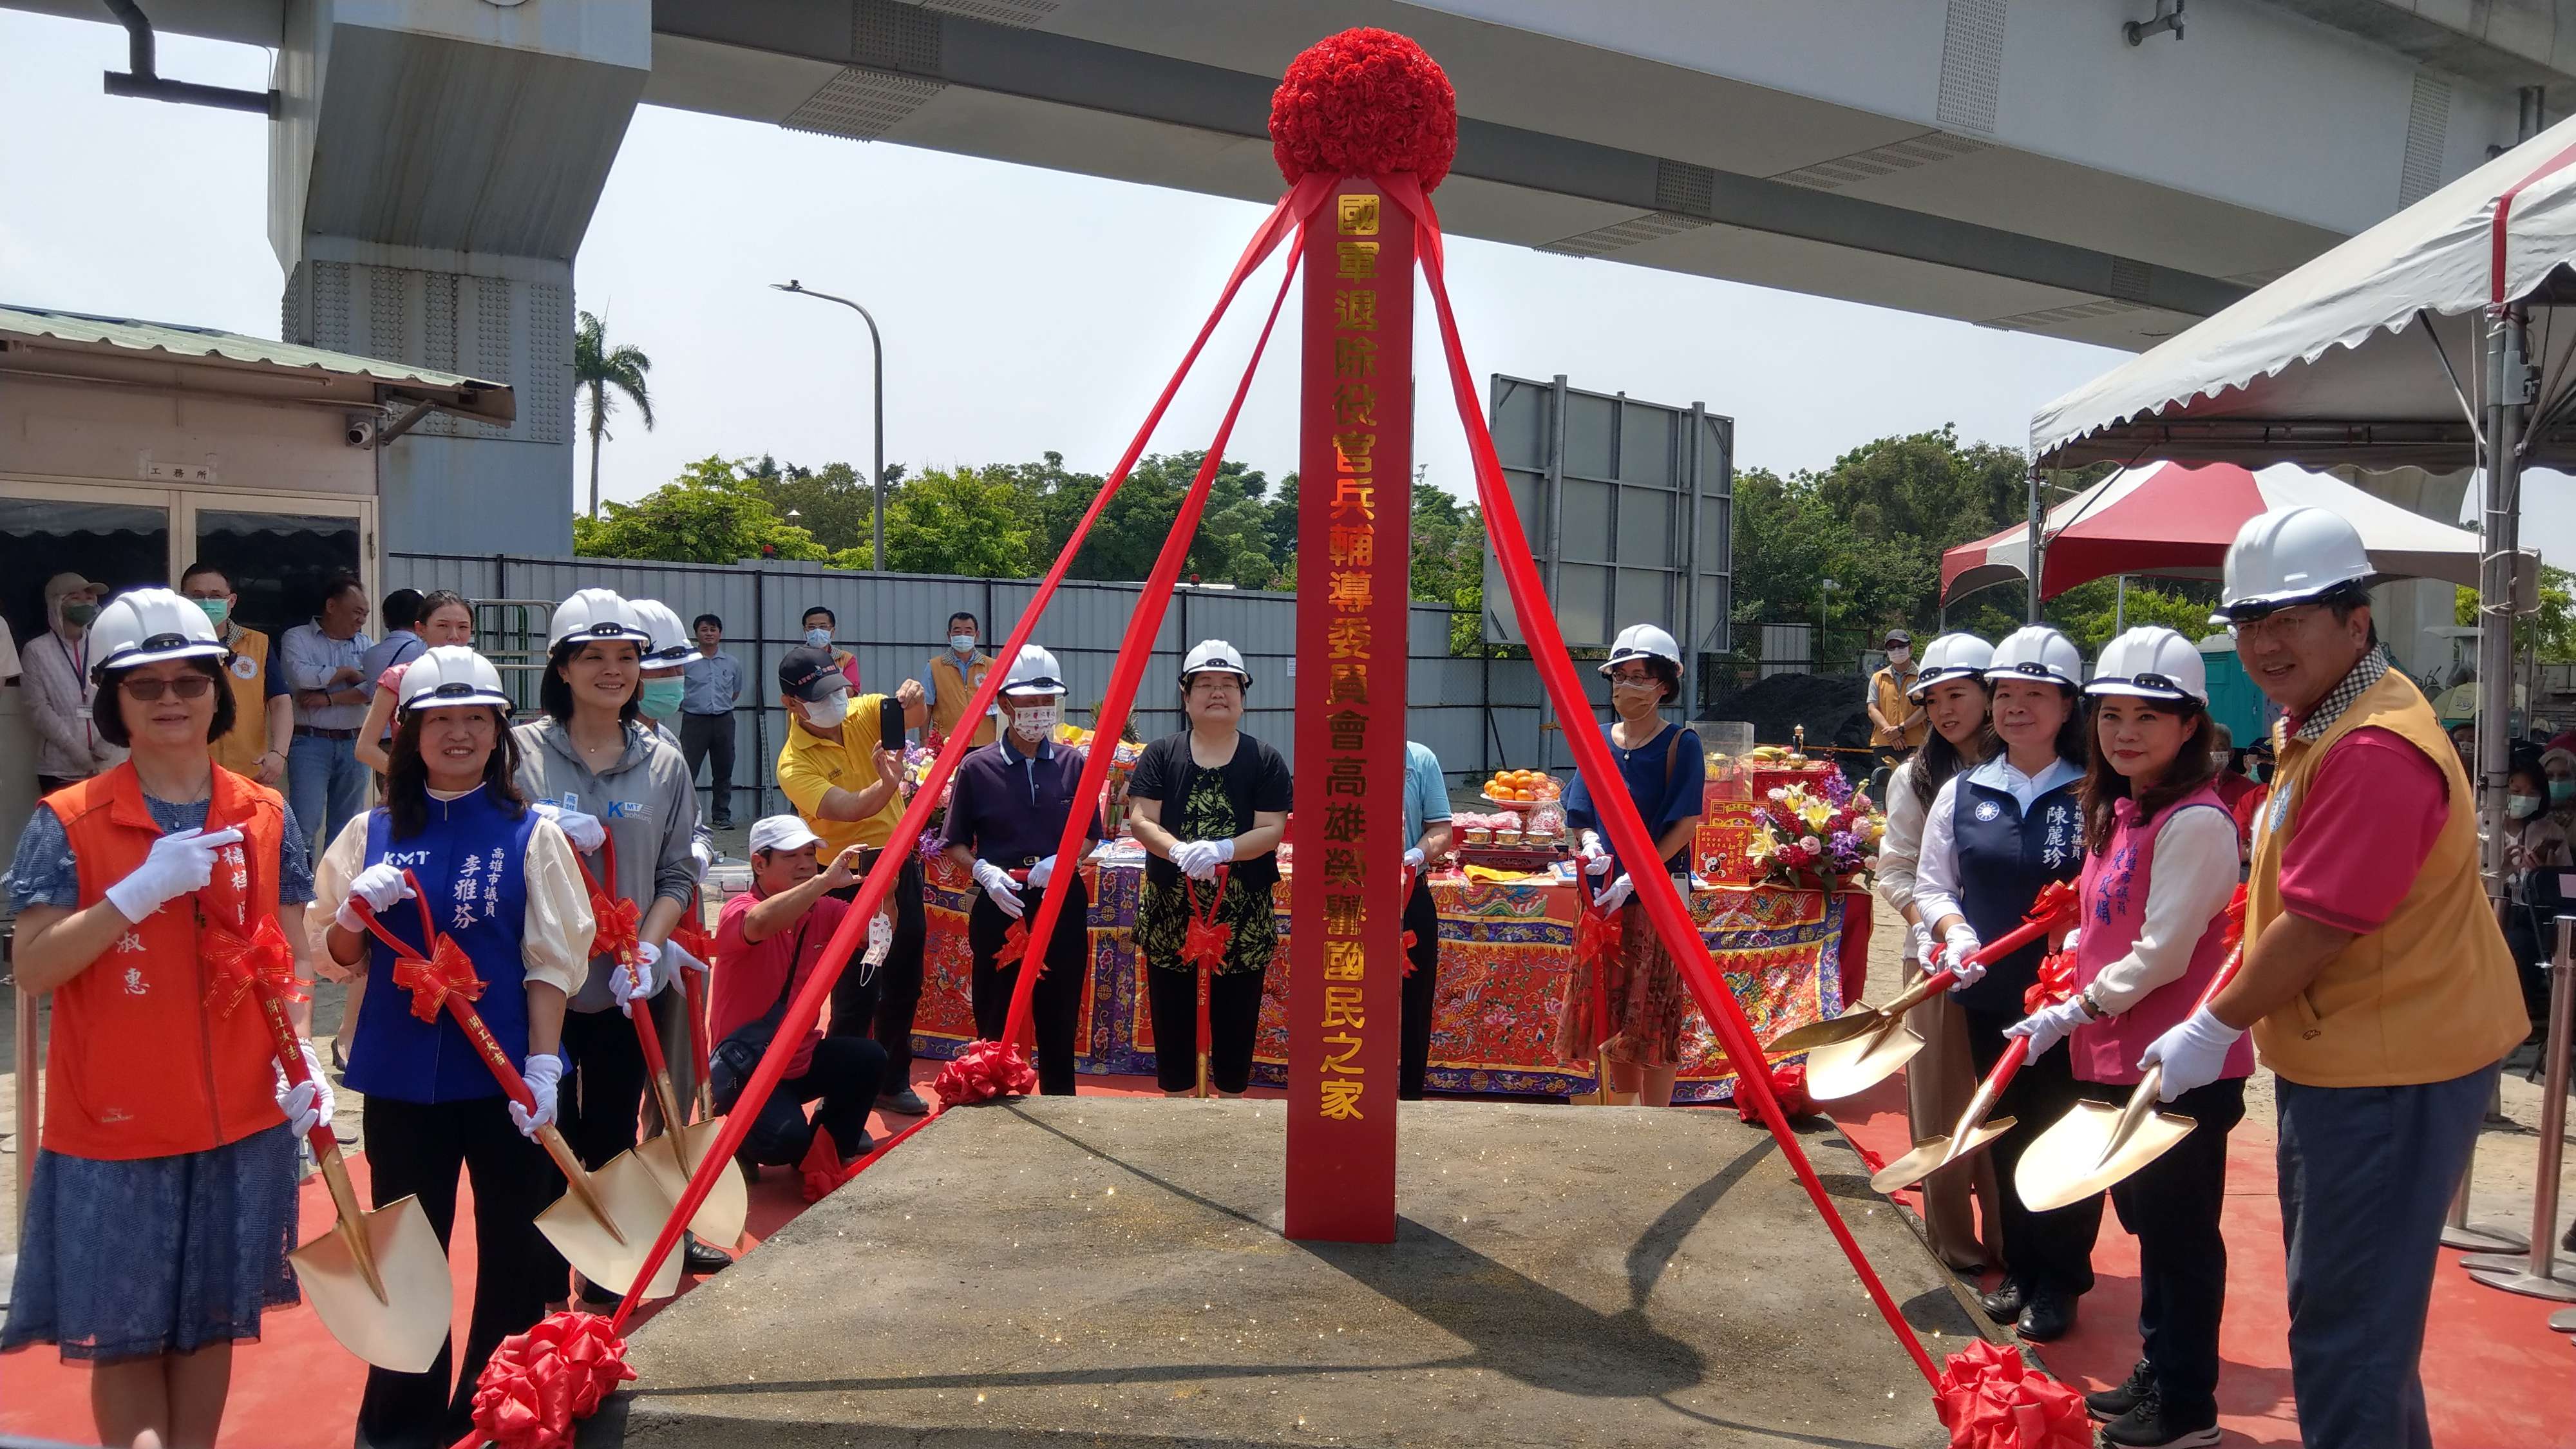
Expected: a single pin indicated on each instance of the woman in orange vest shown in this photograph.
(165, 1112)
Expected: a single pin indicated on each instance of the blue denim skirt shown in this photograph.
(155, 1255)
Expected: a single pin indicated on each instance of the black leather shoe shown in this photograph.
(2155, 1425)
(2045, 1316)
(2004, 1304)
(702, 1258)
(906, 1103)
(2109, 1404)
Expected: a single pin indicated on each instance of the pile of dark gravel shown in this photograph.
(1833, 707)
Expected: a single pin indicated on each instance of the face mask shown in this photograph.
(2263, 774)
(827, 714)
(2562, 791)
(1033, 722)
(79, 614)
(660, 698)
(217, 610)
(2218, 758)
(962, 643)
(2521, 807)
(819, 638)
(1899, 654)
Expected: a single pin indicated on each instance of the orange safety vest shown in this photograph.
(2431, 994)
(956, 691)
(242, 745)
(140, 1065)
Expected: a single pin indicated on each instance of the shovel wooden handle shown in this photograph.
(516, 1087)
(352, 1219)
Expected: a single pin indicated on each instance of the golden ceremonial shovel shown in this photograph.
(378, 1280)
(1970, 1133)
(1865, 1046)
(718, 1220)
(2095, 1144)
(607, 1222)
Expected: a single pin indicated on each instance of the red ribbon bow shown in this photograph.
(447, 971)
(2057, 899)
(2055, 984)
(1989, 1398)
(1789, 1084)
(1015, 944)
(985, 1070)
(538, 1382)
(1597, 934)
(617, 921)
(1207, 939)
(241, 961)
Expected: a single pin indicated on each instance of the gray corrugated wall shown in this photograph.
(1477, 715)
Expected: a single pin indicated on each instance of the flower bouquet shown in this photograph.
(1815, 836)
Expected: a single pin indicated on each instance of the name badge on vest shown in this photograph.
(1988, 810)
(244, 667)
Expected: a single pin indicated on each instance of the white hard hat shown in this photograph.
(451, 675)
(1642, 641)
(2151, 662)
(671, 646)
(1213, 654)
(147, 626)
(2037, 651)
(1033, 673)
(597, 614)
(1952, 656)
(2289, 556)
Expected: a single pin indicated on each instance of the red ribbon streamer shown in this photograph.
(1628, 834)
(836, 953)
(239, 962)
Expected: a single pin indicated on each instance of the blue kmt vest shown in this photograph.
(2005, 858)
(471, 863)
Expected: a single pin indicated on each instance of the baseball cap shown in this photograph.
(809, 674)
(1896, 636)
(781, 832)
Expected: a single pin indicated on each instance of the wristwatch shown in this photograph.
(2092, 1008)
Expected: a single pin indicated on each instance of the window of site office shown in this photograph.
(276, 549)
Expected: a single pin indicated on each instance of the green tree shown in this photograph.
(957, 520)
(2549, 630)
(597, 368)
(710, 514)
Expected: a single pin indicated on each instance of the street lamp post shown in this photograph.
(876, 475)
(1822, 594)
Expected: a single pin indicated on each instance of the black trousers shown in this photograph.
(1414, 1043)
(882, 1004)
(703, 736)
(2172, 1206)
(1234, 1016)
(1055, 1003)
(601, 1103)
(2044, 1252)
(416, 1150)
(845, 1073)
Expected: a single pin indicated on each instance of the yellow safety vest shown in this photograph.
(242, 745)
(2431, 994)
(956, 691)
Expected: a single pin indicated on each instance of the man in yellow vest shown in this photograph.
(951, 679)
(256, 744)
(2375, 980)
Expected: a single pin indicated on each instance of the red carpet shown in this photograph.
(2495, 1377)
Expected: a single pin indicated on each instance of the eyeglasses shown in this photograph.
(187, 686)
(2279, 624)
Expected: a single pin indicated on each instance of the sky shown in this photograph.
(1018, 312)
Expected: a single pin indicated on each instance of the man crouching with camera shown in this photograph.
(767, 943)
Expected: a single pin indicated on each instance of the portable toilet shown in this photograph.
(2234, 701)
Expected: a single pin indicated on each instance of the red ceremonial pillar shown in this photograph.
(1345, 952)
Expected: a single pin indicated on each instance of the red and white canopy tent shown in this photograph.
(2176, 521)
(2427, 340)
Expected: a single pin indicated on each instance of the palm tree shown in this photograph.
(596, 367)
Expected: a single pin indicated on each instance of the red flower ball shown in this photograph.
(1366, 102)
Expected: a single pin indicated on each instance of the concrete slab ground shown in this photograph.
(1111, 1271)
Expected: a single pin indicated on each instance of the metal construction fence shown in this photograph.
(1478, 715)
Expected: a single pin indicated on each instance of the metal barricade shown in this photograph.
(2537, 1275)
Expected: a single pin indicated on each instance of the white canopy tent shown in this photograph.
(2428, 340)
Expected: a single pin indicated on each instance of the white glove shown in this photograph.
(1958, 952)
(703, 852)
(1041, 873)
(677, 958)
(1413, 858)
(1185, 855)
(379, 886)
(307, 1102)
(1198, 859)
(543, 1074)
(2071, 936)
(2192, 1054)
(584, 831)
(1923, 944)
(179, 863)
(999, 889)
(2050, 1025)
(1596, 861)
(630, 984)
(1618, 893)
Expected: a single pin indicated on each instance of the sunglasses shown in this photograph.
(186, 686)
